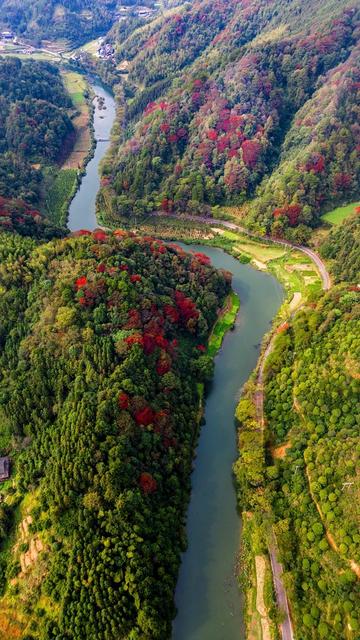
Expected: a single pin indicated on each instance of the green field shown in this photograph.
(59, 195)
(337, 216)
(76, 86)
(90, 47)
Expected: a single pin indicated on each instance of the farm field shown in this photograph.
(76, 85)
(91, 47)
(338, 215)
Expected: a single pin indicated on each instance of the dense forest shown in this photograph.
(221, 94)
(342, 248)
(102, 344)
(34, 128)
(300, 478)
(104, 356)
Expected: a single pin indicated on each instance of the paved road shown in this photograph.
(282, 601)
(277, 570)
(325, 278)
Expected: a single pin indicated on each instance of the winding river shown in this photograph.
(82, 212)
(207, 595)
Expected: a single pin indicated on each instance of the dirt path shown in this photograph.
(279, 453)
(277, 570)
(281, 597)
(260, 566)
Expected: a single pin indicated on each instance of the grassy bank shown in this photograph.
(60, 194)
(224, 323)
(62, 184)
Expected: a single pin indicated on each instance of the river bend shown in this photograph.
(207, 595)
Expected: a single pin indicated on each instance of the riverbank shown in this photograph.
(208, 596)
(225, 322)
(63, 184)
(82, 211)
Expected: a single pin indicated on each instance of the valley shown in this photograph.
(179, 344)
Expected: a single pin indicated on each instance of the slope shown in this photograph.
(101, 349)
(215, 89)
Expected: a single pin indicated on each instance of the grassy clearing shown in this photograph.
(90, 47)
(224, 323)
(76, 86)
(261, 252)
(338, 215)
(59, 195)
(37, 55)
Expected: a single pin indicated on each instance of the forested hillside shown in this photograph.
(71, 21)
(312, 404)
(300, 478)
(342, 248)
(222, 95)
(34, 129)
(101, 348)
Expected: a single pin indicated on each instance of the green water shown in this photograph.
(82, 212)
(207, 597)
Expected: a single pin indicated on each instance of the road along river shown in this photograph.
(207, 596)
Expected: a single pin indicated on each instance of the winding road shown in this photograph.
(325, 278)
(286, 627)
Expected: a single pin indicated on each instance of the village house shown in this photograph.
(6, 35)
(4, 469)
(106, 51)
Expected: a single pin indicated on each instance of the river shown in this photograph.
(207, 595)
(82, 212)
